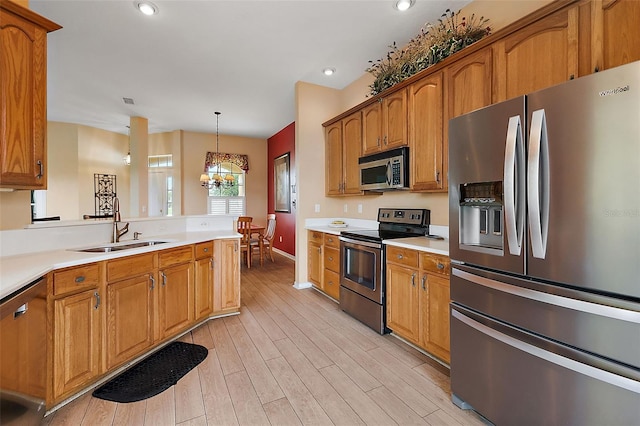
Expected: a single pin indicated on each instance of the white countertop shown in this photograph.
(19, 270)
(422, 244)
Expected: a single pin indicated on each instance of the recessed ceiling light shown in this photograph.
(146, 7)
(329, 71)
(403, 5)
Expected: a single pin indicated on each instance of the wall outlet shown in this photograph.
(359, 208)
(317, 208)
(280, 238)
(346, 207)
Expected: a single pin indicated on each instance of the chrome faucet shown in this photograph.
(118, 232)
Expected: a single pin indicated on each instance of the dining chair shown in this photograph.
(267, 237)
(244, 228)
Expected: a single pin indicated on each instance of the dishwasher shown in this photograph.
(23, 355)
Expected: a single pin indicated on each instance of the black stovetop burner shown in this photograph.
(394, 223)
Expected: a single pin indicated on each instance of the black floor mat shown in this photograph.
(153, 374)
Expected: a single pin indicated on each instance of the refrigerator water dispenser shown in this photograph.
(481, 217)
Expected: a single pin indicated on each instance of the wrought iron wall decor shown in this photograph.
(104, 187)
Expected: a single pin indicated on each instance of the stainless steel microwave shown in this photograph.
(385, 171)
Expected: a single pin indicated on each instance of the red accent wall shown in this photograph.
(282, 142)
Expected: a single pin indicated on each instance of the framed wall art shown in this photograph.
(281, 184)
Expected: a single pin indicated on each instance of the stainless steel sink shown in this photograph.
(118, 247)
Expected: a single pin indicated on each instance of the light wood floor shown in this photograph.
(291, 357)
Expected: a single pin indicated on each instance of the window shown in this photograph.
(227, 200)
(165, 160)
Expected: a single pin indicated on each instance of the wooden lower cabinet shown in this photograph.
(78, 309)
(175, 300)
(323, 267)
(203, 289)
(130, 313)
(418, 299)
(77, 344)
(226, 291)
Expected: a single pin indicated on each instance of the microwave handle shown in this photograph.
(389, 177)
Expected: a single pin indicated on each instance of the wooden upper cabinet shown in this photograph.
(333, 155)
(23, 84)
(372, 128)
(352, 140)
(620, 31)
(384, 123)
(469, 83)
(343, 141)
(540, 55)
(426, 138)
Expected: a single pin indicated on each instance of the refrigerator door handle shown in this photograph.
(578, 367)
(514, 186)
(538, 184)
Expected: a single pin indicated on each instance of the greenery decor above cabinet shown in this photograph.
(23, 109)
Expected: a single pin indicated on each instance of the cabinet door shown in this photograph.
(226, 294)
(203, 300)
(76, 347)
(394, 120)
(23, 84)
(539, 55)
(426, 140)
(352, 143)
(314, 264)
(469, 83)
(435, 315)
(403, 313)
(129, 318)
(175, 299)
(372, 128)
(621, 32)
(333, 155)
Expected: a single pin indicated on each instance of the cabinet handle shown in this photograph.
(41, 167)
(413, 279)
(319, 250)
(424, 280)
(437, 176)
(97, 296)
(79, 279)
(153, 281)
(211, 261)
(440, 265)
(378, 141)
(164, 278)
(235, 246)
(400, 257)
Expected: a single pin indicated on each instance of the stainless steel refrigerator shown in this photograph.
(544, 202)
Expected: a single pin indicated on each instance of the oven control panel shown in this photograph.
(419, 217)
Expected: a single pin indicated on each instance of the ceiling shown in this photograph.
(239, 57)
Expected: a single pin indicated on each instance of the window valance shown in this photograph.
(214, 158)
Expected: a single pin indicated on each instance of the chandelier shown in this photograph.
(217, 180)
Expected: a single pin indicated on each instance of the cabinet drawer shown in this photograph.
(402, 256)
(131, 266)
(332, 259)
(331, 240)
(175, 256)
(436, 264)
(204, 249)
(332, 284)
(316, 237)
(77, 278)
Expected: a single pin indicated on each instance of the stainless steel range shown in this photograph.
(362, 270)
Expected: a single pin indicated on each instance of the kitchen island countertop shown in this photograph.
(19, 270)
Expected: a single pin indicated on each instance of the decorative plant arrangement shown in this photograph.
(432, 45)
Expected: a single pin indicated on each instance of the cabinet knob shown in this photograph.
(80, 279)
(400, 257)
(440, 265)
(206, 250)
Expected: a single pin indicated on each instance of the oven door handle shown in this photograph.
(360, 243)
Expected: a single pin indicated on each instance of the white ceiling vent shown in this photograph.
(128, 101)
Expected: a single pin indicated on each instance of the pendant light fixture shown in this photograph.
(127, 158)
(217, 180)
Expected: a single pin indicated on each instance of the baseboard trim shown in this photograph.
(285, 254)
